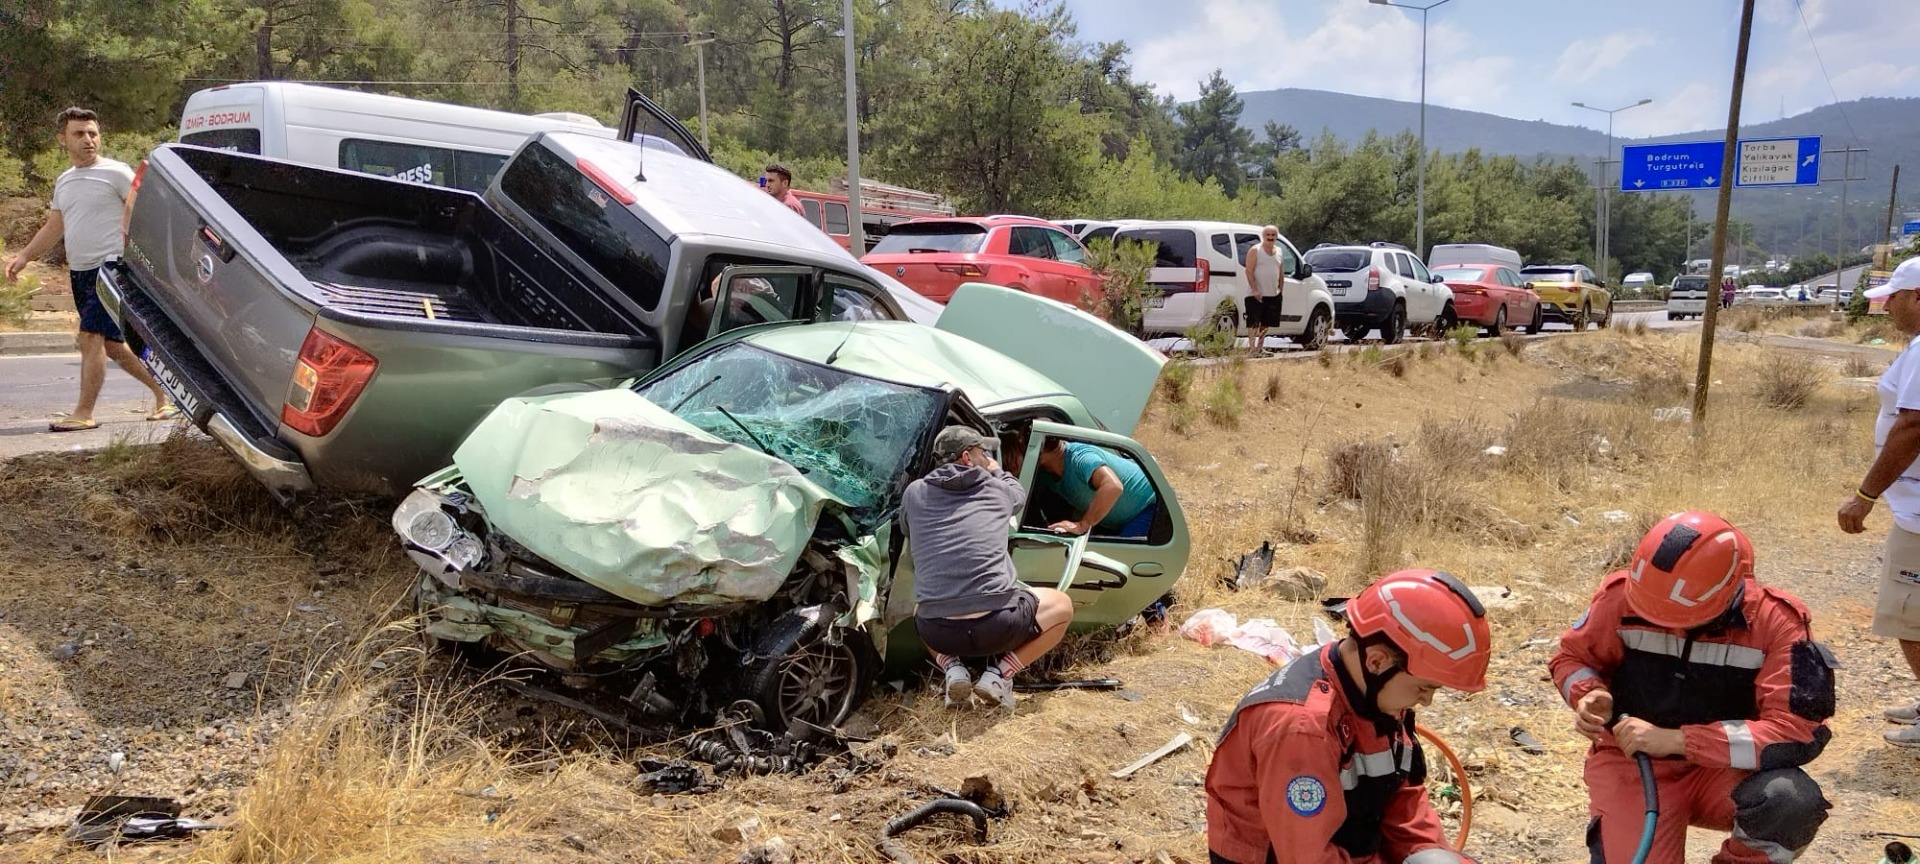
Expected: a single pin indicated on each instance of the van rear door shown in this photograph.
(225, 118)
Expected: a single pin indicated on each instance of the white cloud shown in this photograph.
(1582, 59)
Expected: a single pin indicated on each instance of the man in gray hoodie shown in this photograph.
(970, 604)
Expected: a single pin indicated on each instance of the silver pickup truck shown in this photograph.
(341, 331)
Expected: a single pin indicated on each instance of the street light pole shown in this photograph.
(1420, 223)
(1602, 206)
(857, 231)
(700, 52)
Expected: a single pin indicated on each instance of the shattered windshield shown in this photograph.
(852, 435)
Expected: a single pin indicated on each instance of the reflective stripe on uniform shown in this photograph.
(1704, 653)
(1740, 750)
(1579, 675)
(1374, 765)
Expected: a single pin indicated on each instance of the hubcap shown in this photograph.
(817, 683)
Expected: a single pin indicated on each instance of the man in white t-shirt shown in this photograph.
(88, 213)
(1895, 477)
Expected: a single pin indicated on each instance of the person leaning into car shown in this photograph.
(969, 601)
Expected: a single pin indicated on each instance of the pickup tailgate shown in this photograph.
(221, 284)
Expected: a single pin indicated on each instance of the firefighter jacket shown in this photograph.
(1750, 690)
(1300, 776)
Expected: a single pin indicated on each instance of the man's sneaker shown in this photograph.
(1905, 736)
(995, 688)
(1908, 714)
(959, 686)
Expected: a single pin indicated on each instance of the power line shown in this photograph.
(1800, 6)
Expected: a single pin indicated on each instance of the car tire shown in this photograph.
(1355, 333)
(1395, 327)
(1538, 323)
(1499, 322)
(797, 673)
(1673, 316)
(1228, 319)
(1319, 323)
(1607, 319)
(1446, 322)
(1580, 321)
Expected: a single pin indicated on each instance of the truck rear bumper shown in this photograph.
(194, 386)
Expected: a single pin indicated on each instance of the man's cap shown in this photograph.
(1906, 277)
(955, 440)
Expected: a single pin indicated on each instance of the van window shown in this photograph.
(440, 166)
(1100, 234)
(236, 140)
(812, 209)
(1173, 247)
(1339, 260)
(1242, 244)
(1223, 246)
(599, 229)
(836, 217)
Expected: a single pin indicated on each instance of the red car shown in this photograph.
(1491, 296)
(936, 256)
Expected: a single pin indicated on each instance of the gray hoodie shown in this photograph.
(958, 518)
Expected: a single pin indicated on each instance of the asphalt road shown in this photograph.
(33, 389)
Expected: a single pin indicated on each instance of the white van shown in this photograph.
(1199, 276)
(426, 142)
(1637, 282)
(1474, 253)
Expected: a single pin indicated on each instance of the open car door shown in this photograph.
(1110, 372)
(644, 118)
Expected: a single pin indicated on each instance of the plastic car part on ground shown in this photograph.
(1260, 636)
(582, 480)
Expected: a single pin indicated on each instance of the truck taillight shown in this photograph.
(1373, 279)
(329, 376)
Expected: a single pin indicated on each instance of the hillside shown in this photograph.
(1800, 222)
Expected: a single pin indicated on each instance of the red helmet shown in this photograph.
(1688, 569)
(1432, 618)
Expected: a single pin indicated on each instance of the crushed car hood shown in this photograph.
(623, 495)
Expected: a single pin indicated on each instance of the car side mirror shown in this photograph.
(1529, 287)
(1435, 278)
(1306, 270)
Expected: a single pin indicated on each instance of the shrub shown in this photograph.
(16, 298)
(1452, 444)
(1224, 402)
(1124, 292)
(1210, 340)
(1180, 417)
(1372, 355)
(1462, 337)
(1326, 357)
(1788, 385)
(1861, 367)
(1639, 328)
(1273, 388)
(1513, 343)
(1176, 378)
(1396, 365)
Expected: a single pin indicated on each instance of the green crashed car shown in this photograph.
(719, 534)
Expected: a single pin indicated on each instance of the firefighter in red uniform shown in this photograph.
(1688, 659)
(1320, 764)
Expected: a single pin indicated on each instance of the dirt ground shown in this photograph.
(247, 661)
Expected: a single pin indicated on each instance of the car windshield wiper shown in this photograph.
(756, 439)
(696, 391)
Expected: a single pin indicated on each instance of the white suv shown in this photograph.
(1199, 274)
(1382, 286)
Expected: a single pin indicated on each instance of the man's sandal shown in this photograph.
(71, 425)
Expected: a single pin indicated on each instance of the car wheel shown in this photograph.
(1538, 323)
(1499, 323)
(799, 671)
(1228, 320)
(1580, 320)
(1319, 323)
(1607, 319)
(1673, 316)
(1396, 327)
(1446, 322)
(1355, 334)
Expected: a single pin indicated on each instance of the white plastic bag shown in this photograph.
(1211, 627)
(1265, 637)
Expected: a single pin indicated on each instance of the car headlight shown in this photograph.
(465, 552)
(423, 521)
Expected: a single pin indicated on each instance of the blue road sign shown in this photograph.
(1779, 162)
(1667, 167)
(1909, 229)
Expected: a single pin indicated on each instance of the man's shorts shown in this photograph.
(1263, 311)
(1896, 615)
(86, 301)
(989, 635)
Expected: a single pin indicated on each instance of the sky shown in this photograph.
(1529, 59)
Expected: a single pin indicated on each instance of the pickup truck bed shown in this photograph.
(234, 260)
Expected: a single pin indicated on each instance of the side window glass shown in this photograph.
(400, 161)
(1420, 273)
(761, 295)
(1223, 245)
(1289, 259)
(1065, 496)
(851, 300)
(1065, 249)
(812, 209)
(584, 218)
(1245, 242)
(1031, 243)
(836, 217)
(1101, 234)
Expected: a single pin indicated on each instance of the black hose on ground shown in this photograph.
(890, 847)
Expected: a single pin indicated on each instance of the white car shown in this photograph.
(1688, 297)
(1766, 297)
(1199, 276)
(1089, 230)
(1382, 286)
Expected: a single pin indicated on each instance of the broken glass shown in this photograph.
(854, 436)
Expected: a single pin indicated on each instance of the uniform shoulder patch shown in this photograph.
(1582, 621)
(1306, 795)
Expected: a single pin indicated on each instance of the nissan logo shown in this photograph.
(900, 271)
(205, 269)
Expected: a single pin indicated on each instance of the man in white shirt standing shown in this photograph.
(88, 212)
(1895, 477)
(1266, 283)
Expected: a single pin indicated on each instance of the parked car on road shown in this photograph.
(1493, 297)
(936, 256)
(1761, 296)
(1571, 294)
(1382, 286)
(1688, 297)
(1199, 276)
(1089, 230)
(1473, 253)
(721, 534)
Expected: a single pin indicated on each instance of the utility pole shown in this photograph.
(700, 44)
(1729, 162)
(857, 233)
(1886, 231)
(1840, 228)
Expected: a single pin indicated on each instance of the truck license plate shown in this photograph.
(189, 403)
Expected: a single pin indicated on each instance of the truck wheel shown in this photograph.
(1396, 326)
(802, 670)
(1319, 323)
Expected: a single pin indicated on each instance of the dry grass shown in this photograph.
(1860, 367)
(1790, 382)
(1514, 343)
(1396, 365)
(1273, 390)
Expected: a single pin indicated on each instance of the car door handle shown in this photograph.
(1148, 568)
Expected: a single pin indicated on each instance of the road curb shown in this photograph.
(16, 344)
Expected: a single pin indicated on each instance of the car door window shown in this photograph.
(1100, 234)
(1030, 242)
(812, 209)
(745, 296)
(1289, 259)
(1420, 273)
(1223, 246)
(1066, 249)
(1402, 266)
(1054, 498)
(1242, 243)
(1509, 278)
(851, 300)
